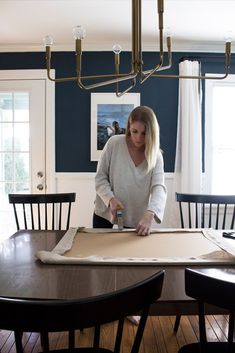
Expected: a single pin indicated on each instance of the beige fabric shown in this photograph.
(161, 246)
(130, 245)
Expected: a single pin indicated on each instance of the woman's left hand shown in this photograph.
(144, 225)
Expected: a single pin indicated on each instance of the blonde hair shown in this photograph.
(147, 117)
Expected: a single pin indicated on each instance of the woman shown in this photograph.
(130, 176)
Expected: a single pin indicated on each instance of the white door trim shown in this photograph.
(49, 114)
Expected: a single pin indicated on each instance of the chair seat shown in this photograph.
(211, 347)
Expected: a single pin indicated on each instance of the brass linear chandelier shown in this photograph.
(137, 70)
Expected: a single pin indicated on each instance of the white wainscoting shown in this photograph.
(84, 186)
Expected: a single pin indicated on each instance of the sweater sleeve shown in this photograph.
(102, 182)
(158, 190)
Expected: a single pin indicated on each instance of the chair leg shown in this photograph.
(71, 339)
(177, 323)
(18, 341)
(44, 341)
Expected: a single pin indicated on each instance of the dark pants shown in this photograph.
(100, 222)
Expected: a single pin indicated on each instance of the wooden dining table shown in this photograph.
(22, 275)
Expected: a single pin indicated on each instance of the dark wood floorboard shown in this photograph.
(158, 336)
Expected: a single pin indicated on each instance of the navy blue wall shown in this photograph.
(72, 133)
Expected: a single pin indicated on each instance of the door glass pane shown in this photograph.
(22, 187)
(21, 167)
(8, 188)
(6, 136)
(6, 106)
(21, 137)
(21, 102)
(14, 151)
(7, 166)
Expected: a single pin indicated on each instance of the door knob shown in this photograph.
(40, 174)
(40, 187)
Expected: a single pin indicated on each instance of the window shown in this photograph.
(220, 136)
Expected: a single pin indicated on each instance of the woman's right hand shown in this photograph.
(114, 205)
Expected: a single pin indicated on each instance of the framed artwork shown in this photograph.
(109, 115)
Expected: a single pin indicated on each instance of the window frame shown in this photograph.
(209, 85)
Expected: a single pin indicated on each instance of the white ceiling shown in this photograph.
(194, 24)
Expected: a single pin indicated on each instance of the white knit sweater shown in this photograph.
(117, 176)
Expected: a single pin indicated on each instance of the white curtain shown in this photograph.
(188, 160)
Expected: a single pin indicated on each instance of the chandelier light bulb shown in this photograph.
(47, 41)
(168, 32)
(79, 32)
(228, 36)
(117, 49)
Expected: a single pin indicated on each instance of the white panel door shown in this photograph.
(23, 137)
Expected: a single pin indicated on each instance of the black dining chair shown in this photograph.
(205, 211)
(42, 211)
(215, 287)
(46, 316)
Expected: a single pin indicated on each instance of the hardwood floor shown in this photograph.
(158, 336)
